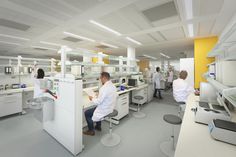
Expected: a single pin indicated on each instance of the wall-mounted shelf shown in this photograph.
(230, 95)
(219, 86)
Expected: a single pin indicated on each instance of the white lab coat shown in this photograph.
(105, 101)
(170, 77)
(157, 77)
(181, 90)
(37, 91)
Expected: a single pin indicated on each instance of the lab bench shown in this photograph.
(13, 100)
(195, 139)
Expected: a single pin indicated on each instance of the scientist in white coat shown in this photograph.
(181, 88)
(38, 76)
(157, 78)
(105, 103)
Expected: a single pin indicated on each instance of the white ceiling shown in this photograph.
(48, 19)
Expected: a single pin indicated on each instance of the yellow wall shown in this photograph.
(201, 48)
(143, 64)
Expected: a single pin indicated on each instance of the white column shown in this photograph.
(131, 57)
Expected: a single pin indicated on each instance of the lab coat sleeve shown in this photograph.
(99, 99)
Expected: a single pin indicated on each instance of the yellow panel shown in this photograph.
(202, 47)
(143, 64)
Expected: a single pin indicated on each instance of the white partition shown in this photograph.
(188, 65)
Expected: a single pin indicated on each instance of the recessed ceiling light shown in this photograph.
(10, 43)
(14, 37)
(105, 27)
(164, 55)
(188, 9)
(47, 48)
(49, 43)
(151, 57)
(110, 45)
(134, 41)
(190, 30)
(78, 36)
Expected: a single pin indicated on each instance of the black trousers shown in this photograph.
(159, 93)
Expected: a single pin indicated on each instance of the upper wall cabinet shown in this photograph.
(226, 46)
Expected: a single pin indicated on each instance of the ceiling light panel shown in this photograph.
(41, 47)
(9, 43)
(134, 41)
(14, 37)
(105, 27)
(50, 43)
(110, 45)
(78, 36)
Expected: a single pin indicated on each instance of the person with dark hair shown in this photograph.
(157, 77)
(37, 78)
(181, 89)
(105, 103)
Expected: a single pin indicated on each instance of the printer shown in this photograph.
(223, 131)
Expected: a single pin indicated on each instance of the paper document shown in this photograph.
(90, 93)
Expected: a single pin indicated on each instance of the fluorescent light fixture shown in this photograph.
(189, 9)
(110, 45)
(164, 55)
(134, 41)
(10, 43)
(47, 48)
(105, 27)
(49, 43)
(14, 37)
(78, 36)
(151, 57)
(190, 30)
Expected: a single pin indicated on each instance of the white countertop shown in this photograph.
(19, 90)
(195, 139)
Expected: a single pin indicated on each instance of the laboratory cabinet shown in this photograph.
(10, 103)
(122, 106)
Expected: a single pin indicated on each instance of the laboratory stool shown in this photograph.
(182, 107)
(111, 139)
(139, 114)
(168, 147)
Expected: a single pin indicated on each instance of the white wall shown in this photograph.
(188, 65)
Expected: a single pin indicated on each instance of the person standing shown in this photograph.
(157, 77)
(170, 79)
(105, 104)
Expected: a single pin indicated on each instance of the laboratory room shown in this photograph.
(111, 78)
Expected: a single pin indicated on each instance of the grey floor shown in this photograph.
(22, 136)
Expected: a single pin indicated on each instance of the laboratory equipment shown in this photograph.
(139, 78)
(205, 112)
(123, 80)
(223, 131)
(15, 86)
(132, 82)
